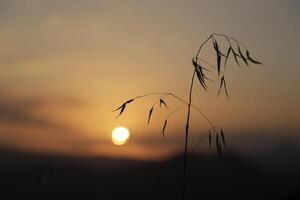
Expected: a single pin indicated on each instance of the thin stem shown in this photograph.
(151, 93)
(225, 36)
(195, 107)
(187, 137)
(202, 46)
(179, 99)
(211, 65)
(201, 138)
(235, 40)
(234, 47)
(175, 111)
(239, 42)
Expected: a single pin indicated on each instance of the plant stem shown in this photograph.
(180, 99)
(186, 138)
(202, 46)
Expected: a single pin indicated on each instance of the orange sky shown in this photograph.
(65, 65)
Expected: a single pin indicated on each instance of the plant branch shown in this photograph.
(229, 41)
(234, 47)
(201, 138)
(202, 45)
(179, 99)
(187, 136)
(175, 111)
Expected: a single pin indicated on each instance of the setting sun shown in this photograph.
(120, 135)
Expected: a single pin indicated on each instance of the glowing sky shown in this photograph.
(64, 65)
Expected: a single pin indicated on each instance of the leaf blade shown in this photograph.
(162, 102)
(129, 101)
(252, 60)
(225, 87)
(149, 115)
(235, 55)
(242, 56)
(223, 137)
(164, 128)
(227, 56)
(122, 110)
(221, 84)
(201, 79)
(200, 75)
(219, 63)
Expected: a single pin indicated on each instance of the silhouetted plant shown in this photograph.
(202, 68)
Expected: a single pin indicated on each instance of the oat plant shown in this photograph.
(205, 71)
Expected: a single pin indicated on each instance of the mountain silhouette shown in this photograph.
(34, 176)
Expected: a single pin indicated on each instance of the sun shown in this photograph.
(120, 135)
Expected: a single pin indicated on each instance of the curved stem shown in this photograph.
(202, 45)
(187, 137)
(195, 107)
(239, 42)
(207, 63)
(152, 93)
(228, 39)
(225, 36)
(179, 99)
(175, 111)
(201, 138)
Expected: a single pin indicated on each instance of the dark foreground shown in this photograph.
(28, 176)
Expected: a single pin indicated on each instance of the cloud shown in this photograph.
(25, 123)
(23, 111)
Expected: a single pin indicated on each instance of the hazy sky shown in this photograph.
(64, 65)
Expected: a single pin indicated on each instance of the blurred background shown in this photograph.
(65, 65)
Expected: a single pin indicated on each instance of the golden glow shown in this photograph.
(109, 66)
(120, 135)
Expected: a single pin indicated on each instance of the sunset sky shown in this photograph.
(64, 65)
